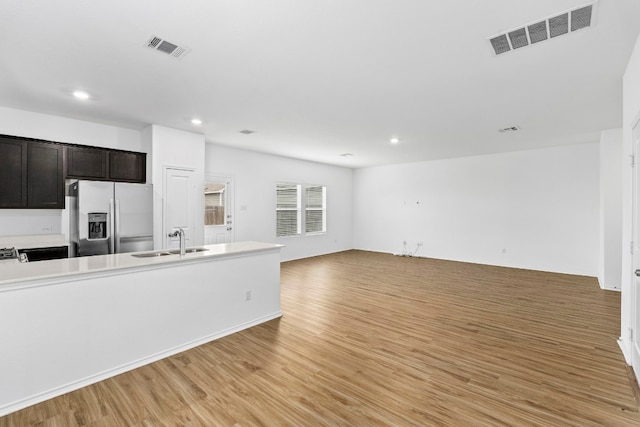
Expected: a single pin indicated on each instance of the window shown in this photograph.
(315, 202)
(289, 207)
(288, 210)
(214, 198)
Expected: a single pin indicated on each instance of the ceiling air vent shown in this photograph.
(509, 129)
(518, 38)
(538, 32)
(500, 44)
(581, 18)
(559, 25)
(161, 45)
(554, 26)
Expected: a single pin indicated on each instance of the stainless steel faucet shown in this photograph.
(180, 233)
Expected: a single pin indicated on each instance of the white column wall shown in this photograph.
(610, 268)
(177, 148)
(254, 180)
(536, 209)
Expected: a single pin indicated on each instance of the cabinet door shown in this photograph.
(127, 166)
(13, 173)
(45, 178)
(86, 163)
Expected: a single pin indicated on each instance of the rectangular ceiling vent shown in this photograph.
(548, 28)
(509, 129)
(161, 45)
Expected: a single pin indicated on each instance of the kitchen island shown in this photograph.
(68, 323)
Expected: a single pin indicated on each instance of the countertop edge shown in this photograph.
(71, 269)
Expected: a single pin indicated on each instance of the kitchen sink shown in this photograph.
(152, 254)
(188, 250)
(165, 252)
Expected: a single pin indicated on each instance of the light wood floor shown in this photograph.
(371, 339)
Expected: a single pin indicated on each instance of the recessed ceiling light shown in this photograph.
(81, 94)
(394, 140)
(196, 122)
(347, 154)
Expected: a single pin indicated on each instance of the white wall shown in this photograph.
(59, 129)
(630, 115)
(535, 209)
(62, 129)
(254, 179)
(16, 222)
(175, 148)
(610, 268)
(63, 333)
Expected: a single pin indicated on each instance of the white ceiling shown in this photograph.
(318, 78)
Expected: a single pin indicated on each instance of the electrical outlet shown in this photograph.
(247, 295)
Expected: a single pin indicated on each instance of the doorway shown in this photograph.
(635, 282)
(218, 210)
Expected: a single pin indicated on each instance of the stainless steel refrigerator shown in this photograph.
(110, 217)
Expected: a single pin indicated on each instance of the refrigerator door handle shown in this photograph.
(112, 226)
(116, 233)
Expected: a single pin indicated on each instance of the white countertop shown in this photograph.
(33, 241)
(15, 273)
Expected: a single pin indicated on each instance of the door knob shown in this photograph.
(637, 272)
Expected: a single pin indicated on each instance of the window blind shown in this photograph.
(315, 203)
(287, 210)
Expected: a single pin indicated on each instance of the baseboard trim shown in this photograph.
(635, 359)
(75, 385)
(626, 350)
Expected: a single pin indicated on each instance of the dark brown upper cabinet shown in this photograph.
(31, 174)
(104, 164)
(45, 176)
(13, 173)
(87, 163)
(127, 166)
(32, 171)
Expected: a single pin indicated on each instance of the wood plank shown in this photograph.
(372, 339)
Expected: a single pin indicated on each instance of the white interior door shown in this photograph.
(218, 210)
(178, 205)
(635, 289)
